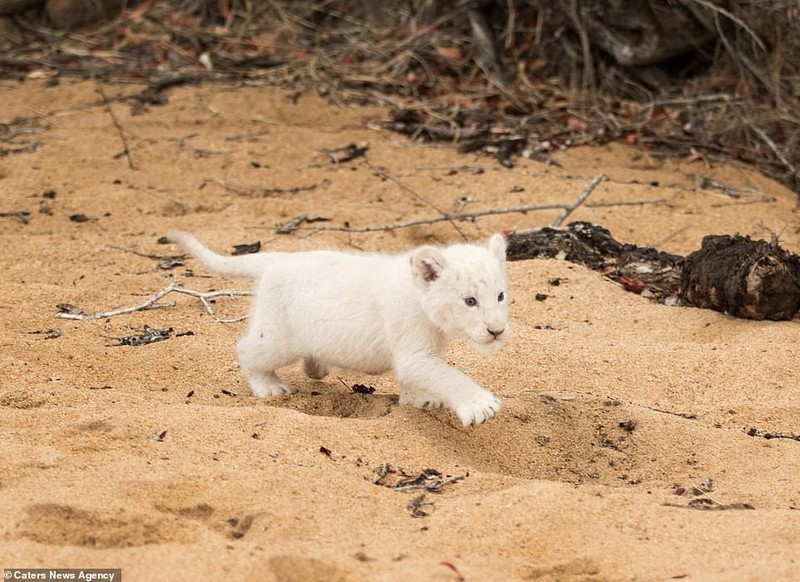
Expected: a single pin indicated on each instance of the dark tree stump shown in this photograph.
(733, 274)
(593, 246)
(743, 277)
(581, 242)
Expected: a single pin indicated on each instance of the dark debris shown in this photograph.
(429, 480)
(347, 153)
(362, 389)
(296, 222)
(148, 335)
(246, 248)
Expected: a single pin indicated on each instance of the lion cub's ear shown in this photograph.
(497, 245)
(427, 263)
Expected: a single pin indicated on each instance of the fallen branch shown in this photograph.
(70, 312)
(791, 168)
(126, 150)
(595, 182)
(22, 215)
(445, 216)
(468, 216)
(461, 217)
(754, 432)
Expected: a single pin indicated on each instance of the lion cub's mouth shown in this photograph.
(488, 345)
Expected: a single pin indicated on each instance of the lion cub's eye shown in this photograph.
(471, 301)
(501, 297)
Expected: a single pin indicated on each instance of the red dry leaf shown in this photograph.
(454, 569)
(138, 12)
(450, 52)
(693, 157)
(576, 124)
(631, 285)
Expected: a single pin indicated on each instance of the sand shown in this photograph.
(622, 449)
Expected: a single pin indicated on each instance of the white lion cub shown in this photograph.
(373, 313)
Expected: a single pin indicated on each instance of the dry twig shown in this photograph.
(445, 216)
(791, 168)
(468, 216)
(22, 215)
(125, 149)
(595, 182)
(152, 303)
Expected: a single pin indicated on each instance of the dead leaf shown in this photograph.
(159, 437)
(246, 248)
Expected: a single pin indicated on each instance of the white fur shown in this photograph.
(373, 313)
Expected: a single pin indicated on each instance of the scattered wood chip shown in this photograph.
(80, 218)
(148, 335)
(361, 389)
(414, 506)
(228, 392)
(168, 263)
(70, 309)
(159, 436)
(429, 480)
(380, 473)
(22, 215)
(326, 451)
(708, 503)
(269, 192)
(347, 153)
(296, 222)
(240, 526)
(52, 333)
(246, 248)
(707, 486)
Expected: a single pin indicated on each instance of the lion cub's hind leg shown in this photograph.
(258, 359)
(315, 369)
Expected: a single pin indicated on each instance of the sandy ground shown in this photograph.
(620, 415)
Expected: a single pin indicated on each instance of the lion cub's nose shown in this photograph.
(496, 333)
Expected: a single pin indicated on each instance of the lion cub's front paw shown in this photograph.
(481, 407)
(420, 399)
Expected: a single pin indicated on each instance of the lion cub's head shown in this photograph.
(464, 290)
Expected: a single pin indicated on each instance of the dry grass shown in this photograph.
(544, 87)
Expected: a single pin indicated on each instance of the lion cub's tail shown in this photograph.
(238, 266)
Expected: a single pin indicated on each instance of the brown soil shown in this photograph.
(615, 408)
